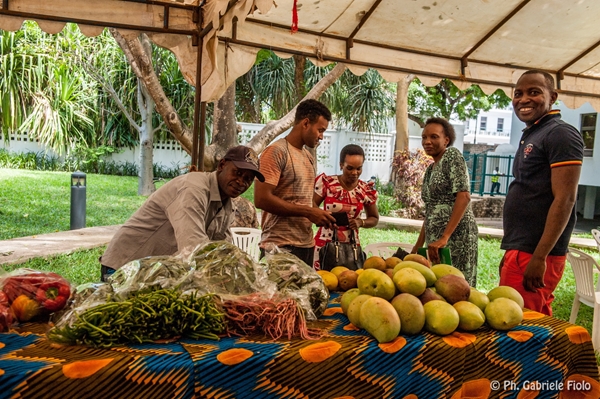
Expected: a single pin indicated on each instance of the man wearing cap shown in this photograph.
(186, 211)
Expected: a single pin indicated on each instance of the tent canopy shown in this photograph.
(486, 42)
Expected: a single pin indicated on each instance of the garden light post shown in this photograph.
(78, 185)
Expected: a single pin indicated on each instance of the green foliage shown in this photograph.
(448, 101)
(364, 103)
(43, 95)
(28, 160)
(50, 88)
(13, 103)
(272, 81)
(62, 112)
(268, 91)
(408, 168)
(384, 189)
(86, 160)
(387, 205)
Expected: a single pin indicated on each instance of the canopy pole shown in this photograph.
(198, 136)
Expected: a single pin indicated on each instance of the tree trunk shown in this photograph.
(402, 113)
(143, 69)
(299, 64)
(275, 128)
(146, 176)
(224, 128)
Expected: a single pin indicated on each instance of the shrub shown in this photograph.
(408, 168)
(384, 189)
(387, 205)
(84, 160)
(89, 159)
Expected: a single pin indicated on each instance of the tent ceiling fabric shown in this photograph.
(469, 41)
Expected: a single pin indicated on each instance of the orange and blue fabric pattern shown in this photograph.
(543, 357)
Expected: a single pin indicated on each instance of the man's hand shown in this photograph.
(534, 274)
(321, 218)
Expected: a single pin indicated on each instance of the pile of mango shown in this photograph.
(413, 295)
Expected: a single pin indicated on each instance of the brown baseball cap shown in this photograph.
(244, 158)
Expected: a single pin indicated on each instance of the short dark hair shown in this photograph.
(447, 126)
(312, 109)
(547, 77)
(351, 149)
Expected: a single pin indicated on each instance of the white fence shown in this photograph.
(378, 147)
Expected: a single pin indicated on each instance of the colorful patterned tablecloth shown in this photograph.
(543, 355)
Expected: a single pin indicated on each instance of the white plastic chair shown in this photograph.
(247, 239)
(596, 235)
(386, 249)
(584, 267)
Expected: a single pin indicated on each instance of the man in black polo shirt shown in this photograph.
(539, 210)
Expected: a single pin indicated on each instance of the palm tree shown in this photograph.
(15, 80)
(42, 94)
(61, 113)
(269, 90)
(364, 103)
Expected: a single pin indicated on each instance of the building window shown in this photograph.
(500, 126)
(483, 123)
(588, 131)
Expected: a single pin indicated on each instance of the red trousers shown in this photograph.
(513, 271)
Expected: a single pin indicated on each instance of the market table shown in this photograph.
(542, 353)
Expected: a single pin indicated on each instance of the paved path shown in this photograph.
(19, 250)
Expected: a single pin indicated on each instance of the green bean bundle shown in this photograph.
(143, 317)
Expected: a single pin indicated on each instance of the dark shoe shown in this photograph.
(105, 272)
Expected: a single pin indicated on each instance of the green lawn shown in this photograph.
(36, 202)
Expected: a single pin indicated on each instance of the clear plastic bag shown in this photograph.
(297, 280)
(191, 278)
(152, 272)
(223, 268)
(31, 295)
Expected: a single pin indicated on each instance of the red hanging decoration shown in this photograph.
(295, 17)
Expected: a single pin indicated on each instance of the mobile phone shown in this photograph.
(341, 218)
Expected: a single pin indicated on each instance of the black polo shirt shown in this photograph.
(548, 143)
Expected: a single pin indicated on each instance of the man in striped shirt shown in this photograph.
(286, 195)
(539, 210)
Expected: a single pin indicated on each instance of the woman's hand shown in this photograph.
(356, 223)
(433, 250)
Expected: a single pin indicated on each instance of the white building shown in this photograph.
(490, 127)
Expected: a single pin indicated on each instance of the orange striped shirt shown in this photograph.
(292, 173)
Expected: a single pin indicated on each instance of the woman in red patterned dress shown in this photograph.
(346, 193)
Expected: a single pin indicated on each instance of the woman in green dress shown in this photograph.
(449, 220)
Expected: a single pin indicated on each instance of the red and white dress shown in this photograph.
(338, 199)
